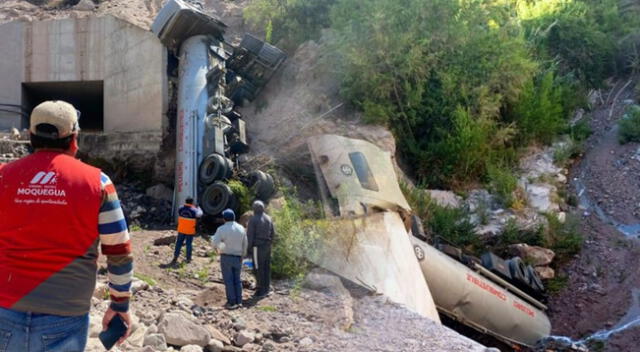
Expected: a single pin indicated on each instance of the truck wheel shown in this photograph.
(534, 279)
(216, 198)
(214, 167)
(262, 184)
(518, 270)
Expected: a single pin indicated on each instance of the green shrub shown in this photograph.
(580, 131)
(539, 113)
(243, 196)
(502, 182)
(629, 126)
(452, 224)
(564, 239)
(556, 284)
(512, 234)
(289, 22)
(296, 239)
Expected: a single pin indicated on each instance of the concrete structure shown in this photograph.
(113, 71)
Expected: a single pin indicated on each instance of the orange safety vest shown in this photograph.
(187, 220)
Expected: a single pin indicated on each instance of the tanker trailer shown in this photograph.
(213, 78)
(479, 298)
(359, 189)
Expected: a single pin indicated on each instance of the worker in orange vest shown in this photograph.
(187, 215)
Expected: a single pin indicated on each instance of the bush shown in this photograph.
(452, 224)
(296, 239)
(503, 182)
(243, 194)
(289, 22)
(539, 113)
(564, 239)
(629, 126)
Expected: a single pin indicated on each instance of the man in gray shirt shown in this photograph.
(261, 233)
(231, 240)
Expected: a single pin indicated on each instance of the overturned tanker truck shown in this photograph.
(380, 244)
(213, 78)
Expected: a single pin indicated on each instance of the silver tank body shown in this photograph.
(476, 301)
(192, 102)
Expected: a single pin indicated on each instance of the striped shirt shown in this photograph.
(116, 246)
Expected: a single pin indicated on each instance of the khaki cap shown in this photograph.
(57, 113)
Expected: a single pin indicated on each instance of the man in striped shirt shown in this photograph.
(55, 211)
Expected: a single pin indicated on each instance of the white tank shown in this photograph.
(470, 297)
(192, 102)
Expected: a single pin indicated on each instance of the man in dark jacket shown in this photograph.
(260, 234)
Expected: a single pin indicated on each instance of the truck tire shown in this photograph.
(534, 279)
(213, 168)
(216, 198)
(262, 184)
(518, 271)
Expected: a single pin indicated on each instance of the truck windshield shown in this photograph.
(363, 171)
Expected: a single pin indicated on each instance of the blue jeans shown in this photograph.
(181, 239)
(231, 266)
(25, 332)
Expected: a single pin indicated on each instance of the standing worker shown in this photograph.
(54, 213)
(231, 240)
(187, 215)
(260, 233)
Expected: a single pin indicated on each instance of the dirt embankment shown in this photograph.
(603, 278)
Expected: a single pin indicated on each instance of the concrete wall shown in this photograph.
(129, 60)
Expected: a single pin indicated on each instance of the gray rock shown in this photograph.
(217, 335)
(85, 5)
(536, 256)
(215, 346)
(160, 192)
(307, 341)
(137, 337)
(446, 199)
(539, 197)
(180, 331)
(268, 346)
(191, 348)
(138, 285)
(157, 341)
(243, 337)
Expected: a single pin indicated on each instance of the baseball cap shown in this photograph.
(54, 119)
(228, 215)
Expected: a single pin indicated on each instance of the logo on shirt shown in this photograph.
(42, 189)
(44, 178)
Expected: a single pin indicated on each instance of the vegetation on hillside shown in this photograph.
(464, 84)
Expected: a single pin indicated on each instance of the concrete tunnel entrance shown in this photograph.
(86, 96)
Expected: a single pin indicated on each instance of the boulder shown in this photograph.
(217, 335)
(165, 241)
(85, 5)
(243, 337)
(138, 285)
(160, 192)
(180, 331)
(137, 337)
(535, 255)
(446, 199)
(342, 312)
(157, 341)
(191, 348)
(215, 346)
(545, 272)
(539, 196)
